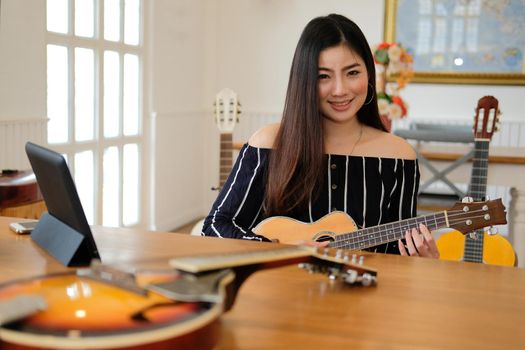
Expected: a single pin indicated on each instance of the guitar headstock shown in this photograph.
(227, 110)
(202, 274)
(470, 216)
(341, 265)
(486, 119)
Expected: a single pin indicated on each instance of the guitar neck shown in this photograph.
(279, 256)
(478, 179)
(473, 248)
(226, 157)
(373, 236)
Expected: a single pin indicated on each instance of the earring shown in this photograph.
(371, 96)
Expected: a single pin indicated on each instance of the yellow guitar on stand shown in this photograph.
(479, 246)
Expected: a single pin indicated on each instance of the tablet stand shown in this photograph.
(61, 241)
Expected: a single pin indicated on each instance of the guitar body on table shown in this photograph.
(480, 247)
(77, 312)
(105, 308)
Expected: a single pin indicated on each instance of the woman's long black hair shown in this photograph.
(296, 163)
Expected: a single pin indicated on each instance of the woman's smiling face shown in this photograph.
(342, 83)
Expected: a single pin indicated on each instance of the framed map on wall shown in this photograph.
(461, 41)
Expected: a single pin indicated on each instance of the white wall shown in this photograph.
(22, 80)
(432, 101)
(22, 60)
(257, 39)
(177, 62)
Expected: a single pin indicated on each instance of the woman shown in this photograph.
(329, 153)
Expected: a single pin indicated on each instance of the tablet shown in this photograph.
(63, 230)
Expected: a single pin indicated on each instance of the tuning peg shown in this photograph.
(333, 273)
(306, 266)
(367, 279)
(354, 258)
(361, 260)
(467, 200)
(493, 231)
(351, 276)
(339, 254)
(473, 235)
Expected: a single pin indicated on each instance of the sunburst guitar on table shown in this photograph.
(104, 308)
(480, 246)
(341, 231)
(227, 112)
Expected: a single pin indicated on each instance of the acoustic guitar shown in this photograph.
(341, 231)
(105, 308)
(480, 246)
(227, 111)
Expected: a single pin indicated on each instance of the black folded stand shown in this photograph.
(61, 241)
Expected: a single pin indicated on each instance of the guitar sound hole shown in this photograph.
(324, 237)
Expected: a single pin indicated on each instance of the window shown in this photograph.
(94, 102)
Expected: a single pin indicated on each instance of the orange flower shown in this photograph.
(396, 62)
(399, 101)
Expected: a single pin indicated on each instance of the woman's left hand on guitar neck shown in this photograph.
(419, 243)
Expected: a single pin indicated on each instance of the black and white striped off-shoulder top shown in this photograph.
(371, 190)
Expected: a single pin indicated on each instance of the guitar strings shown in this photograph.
(397, 229)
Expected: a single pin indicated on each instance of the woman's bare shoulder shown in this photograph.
(398, 147)
(388, 145)
(265, 136)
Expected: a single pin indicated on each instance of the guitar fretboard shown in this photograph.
(226, 157)
(473, 251)
(210, 262)
(373, 236)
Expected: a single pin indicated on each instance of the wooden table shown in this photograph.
(417, 304)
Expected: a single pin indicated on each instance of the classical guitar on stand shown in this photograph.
(479, 246)
(105, 308)
(227, 112)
